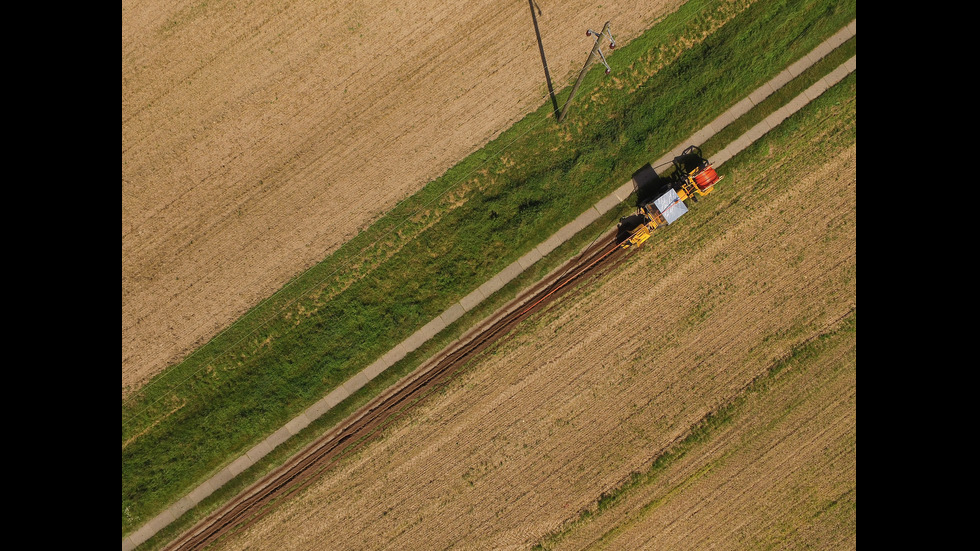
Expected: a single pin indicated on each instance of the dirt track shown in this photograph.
(595, 385)
(257, 137)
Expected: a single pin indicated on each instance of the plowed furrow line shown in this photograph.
(304, 468)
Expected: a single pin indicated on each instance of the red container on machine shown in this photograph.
(706, 178)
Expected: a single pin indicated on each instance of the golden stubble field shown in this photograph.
(782, 476)
(606, 379)
(257, 137)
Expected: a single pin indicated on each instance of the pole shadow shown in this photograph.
(544, 61)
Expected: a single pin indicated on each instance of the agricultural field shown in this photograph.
(258, 137)
(297, 168)
(702, 394)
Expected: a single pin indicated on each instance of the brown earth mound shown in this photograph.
(258, 137)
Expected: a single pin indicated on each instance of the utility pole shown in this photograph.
(588, 62)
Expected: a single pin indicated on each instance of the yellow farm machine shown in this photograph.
(661, 201)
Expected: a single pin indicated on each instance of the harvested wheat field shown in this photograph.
(513, 449)
(259, 137)
(781, 476)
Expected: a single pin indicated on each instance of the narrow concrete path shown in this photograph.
(470, 301)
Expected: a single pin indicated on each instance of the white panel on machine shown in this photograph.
(670, 205)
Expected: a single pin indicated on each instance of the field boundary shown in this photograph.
(494, 284)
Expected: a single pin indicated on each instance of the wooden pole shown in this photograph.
(585, 69)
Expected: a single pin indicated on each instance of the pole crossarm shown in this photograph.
(588, 63)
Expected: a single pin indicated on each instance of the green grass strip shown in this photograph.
(456, 233)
